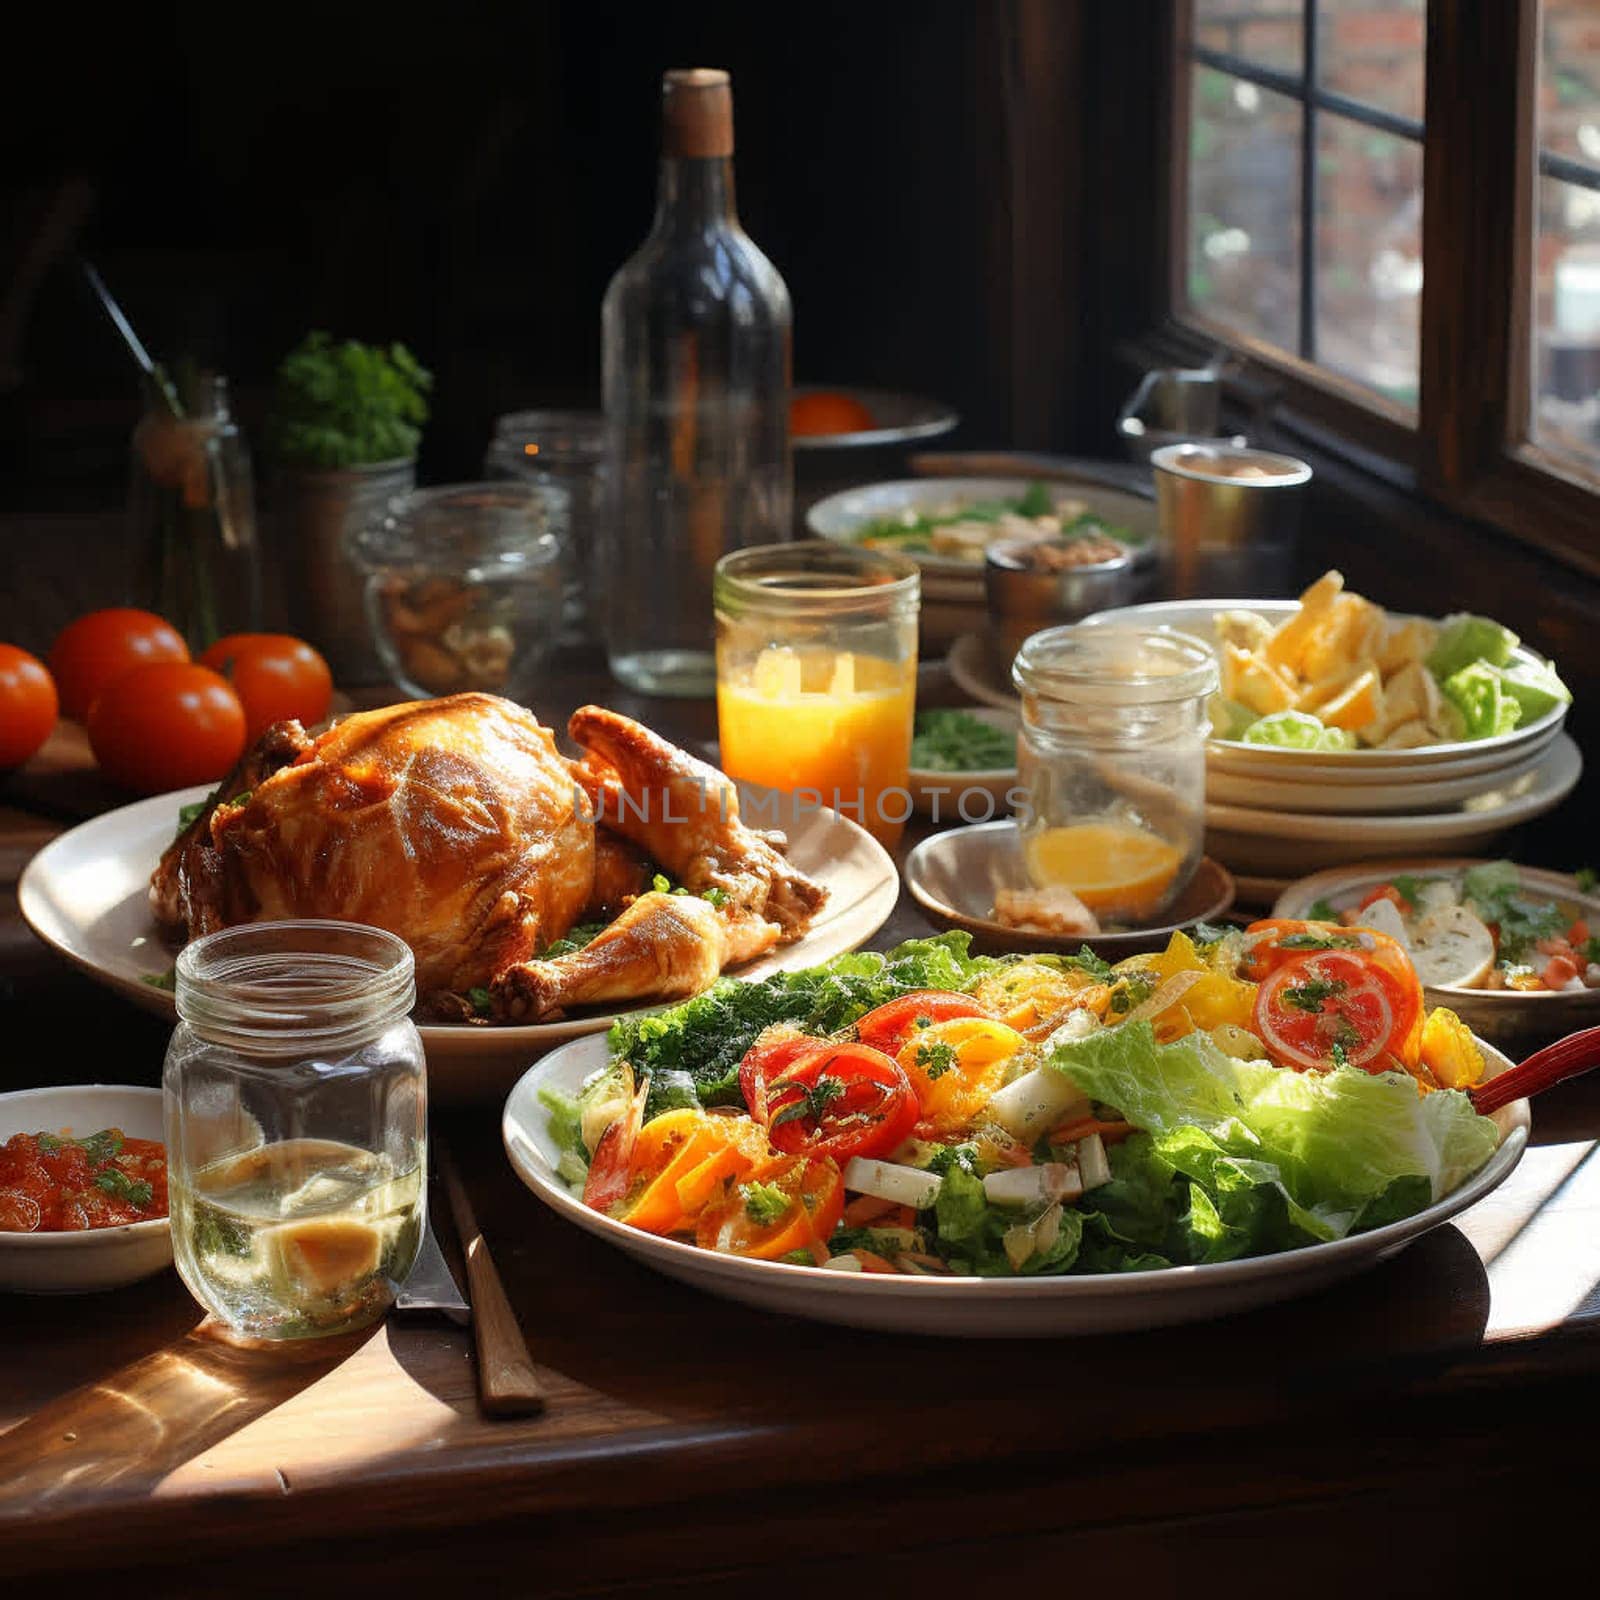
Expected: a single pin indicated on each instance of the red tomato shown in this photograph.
(1559, 971)
(1315, 1009)
(775, 1050)
(275, 676)
(166, 726)
(103, 645)
(1578, 934)
(841, 1101)
(27, 705)
(890, 1025)
(1386, 891)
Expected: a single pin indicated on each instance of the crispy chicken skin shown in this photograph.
(453, 823)
(458, 825)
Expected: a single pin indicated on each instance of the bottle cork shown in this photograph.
(696, 113)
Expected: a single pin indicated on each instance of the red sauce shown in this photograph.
(52, 1183)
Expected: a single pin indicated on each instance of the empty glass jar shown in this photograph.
(296, 1126)
(1112, 756)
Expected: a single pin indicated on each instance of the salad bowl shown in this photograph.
(973, 1307)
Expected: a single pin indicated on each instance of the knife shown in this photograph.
(430, 1288)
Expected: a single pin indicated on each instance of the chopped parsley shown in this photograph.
(1319, 941)
(136, 1191)
(579, 935)
(1341, 1056)
(765, 1204)
(187, 814)
(813, 1100)
(662, 884)
(101, 1147)
(935, 1059)
(480, 1001)
(1321, 911)
(1133, 991)
(1314, 993)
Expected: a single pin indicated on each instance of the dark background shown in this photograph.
(466, 180)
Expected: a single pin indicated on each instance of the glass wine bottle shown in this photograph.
(695, 338)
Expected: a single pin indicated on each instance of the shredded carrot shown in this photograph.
(1110, 1132)
(871, 1261)
(866, 1208)
(904, 1217)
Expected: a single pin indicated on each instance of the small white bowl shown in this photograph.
(95, 1258)
(944, 796)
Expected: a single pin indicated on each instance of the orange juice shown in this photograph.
(1115, 868)
(828, 721)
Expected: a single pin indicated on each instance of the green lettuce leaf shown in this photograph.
(1479, 693)
(1297, 730)
(1467, 639)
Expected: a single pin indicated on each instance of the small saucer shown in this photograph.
(944, 796)
(953, 877)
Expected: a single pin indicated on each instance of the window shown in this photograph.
(1565, 349)
(1303, 215)
(1324, 152)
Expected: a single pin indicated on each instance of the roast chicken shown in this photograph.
(460, 826)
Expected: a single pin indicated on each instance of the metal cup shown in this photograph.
(1229, 518)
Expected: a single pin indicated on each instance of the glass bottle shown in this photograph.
(695, 353)
(295, 1099)
(192, 509)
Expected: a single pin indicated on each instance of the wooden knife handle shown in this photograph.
(507, 1384)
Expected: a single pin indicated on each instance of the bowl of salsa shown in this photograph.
(83, 1188)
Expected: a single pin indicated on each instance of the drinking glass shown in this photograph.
(817, 675)
(1112, 756)
(295, 1103)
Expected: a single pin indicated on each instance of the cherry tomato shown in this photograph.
(103, 645)
(1559, 971)
(841, 1101)
(816, 1194)
(166, 726)
(27, 705)
(275, 676)
(1316, 1011)
(888, 1026)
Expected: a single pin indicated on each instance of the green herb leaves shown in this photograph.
(765, 1204)
(957, 741)
(813, 1099)
(935, 1059)
(1314, 993)
(136, 1191)
(342, 405)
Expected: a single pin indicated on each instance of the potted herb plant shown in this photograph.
(346, 421)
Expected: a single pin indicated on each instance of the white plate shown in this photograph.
(1377, 795)
(96, 1258)
(1196, 618)
(1289, 844)
(978, 1307)
(950, 797)
(1494, 1014)
(841, 516)
(84, 894)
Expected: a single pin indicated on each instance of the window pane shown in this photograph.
(1369, 256)
(1244, 207)
(1566, 261)
(1373, 51)
(1268, 31)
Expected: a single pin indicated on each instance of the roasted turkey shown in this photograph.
(458, 825)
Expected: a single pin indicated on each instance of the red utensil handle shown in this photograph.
(1566, 1058)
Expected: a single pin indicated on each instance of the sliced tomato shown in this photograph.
(775, 1050)
(1385, 891)
(888, 1026)
(1319, 1010)
(844, 1100)
(815, 1192)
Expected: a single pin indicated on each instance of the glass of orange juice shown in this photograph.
(817, 675)
(1112, 757)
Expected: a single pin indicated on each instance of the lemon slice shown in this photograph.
(1453, 947)
(1113, 867)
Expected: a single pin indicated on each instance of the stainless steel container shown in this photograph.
(1229, 518)
(1022, 599)
(314, 512)
(1172, 405)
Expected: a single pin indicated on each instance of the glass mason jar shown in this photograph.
(817, 675)
(563, 452)
(464, 586)
(1112, 757)
(191, 509)
(296, 1124)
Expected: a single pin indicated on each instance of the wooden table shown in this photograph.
(1420, 1430)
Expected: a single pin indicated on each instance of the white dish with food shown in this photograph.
(1485, 936)
(1378, 690)
(963, 763)
(84, 1260)
(977, 1307)
(899, 513)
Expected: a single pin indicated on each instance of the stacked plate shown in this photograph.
(1273, 814)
